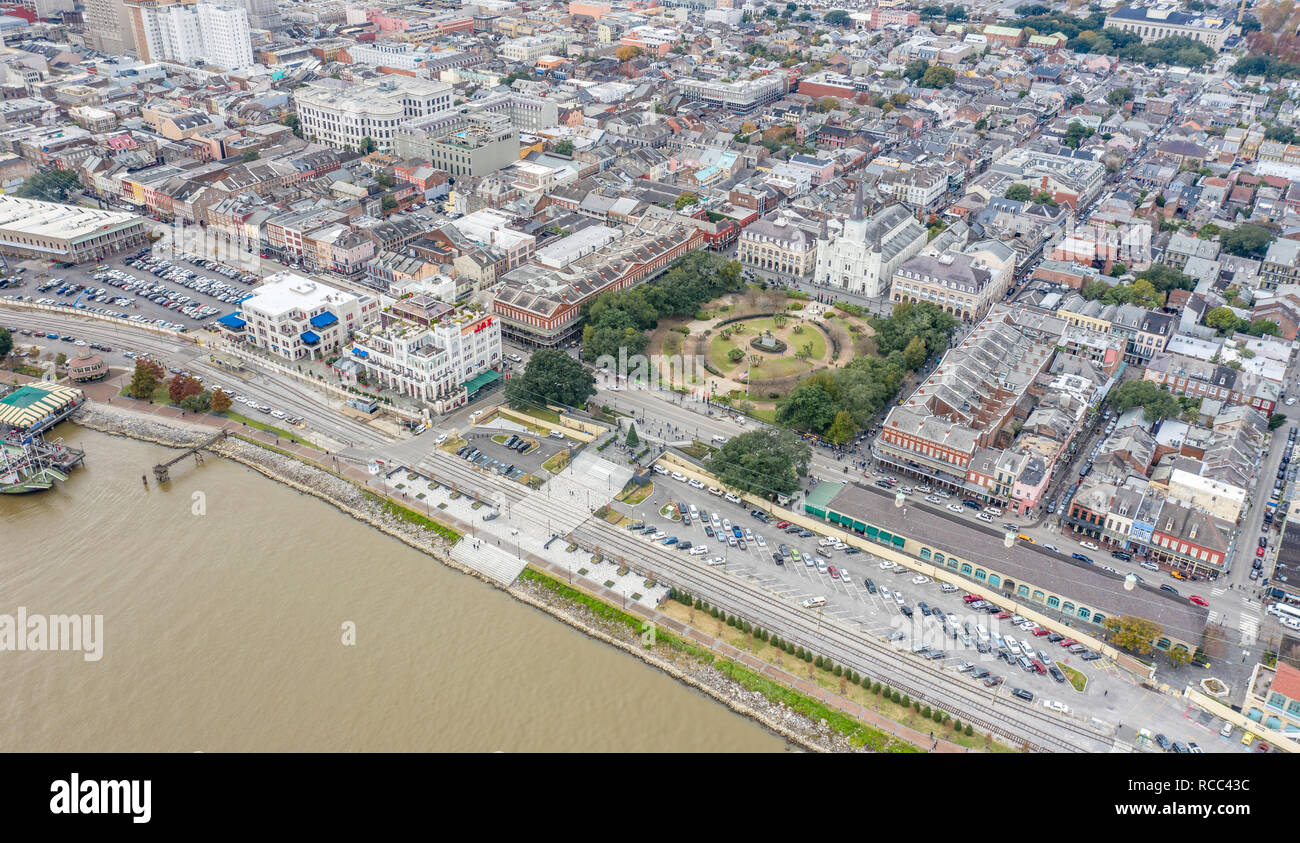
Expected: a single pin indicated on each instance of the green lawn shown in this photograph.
(557, 463)
(773, 366)
(272, 429)
(1077, 679)
(810, 335)
(779, 367)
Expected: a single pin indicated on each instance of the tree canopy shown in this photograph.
(50, 186)
(1164, 278)
(551, 377)
(6, 343)
(1248, 240)
(1141, 292)
(762, 462)
(937, 76)
(620, 319)
(868, 383)
(1019, 192)
(1156, 402)
(1132, 633)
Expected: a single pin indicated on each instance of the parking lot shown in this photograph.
(524, 455)
(182, 295)
(836, 580)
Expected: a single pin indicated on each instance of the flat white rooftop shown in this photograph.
(69, 223)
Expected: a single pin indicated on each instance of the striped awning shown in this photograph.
(30, 404)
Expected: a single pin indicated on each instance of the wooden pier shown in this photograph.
(160, 471)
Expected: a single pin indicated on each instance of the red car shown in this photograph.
(1259, 551)
(834, 573)
(782, 525)
(1003, 615)
(972, 598)
(1067, 642)
(1039, 666)
(1199, 600)
(1039, 632)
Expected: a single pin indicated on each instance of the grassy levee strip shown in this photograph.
(859, 734)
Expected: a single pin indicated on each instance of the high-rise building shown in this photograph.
(108, 27)
(182, 32)
(226, 39)
(262, 14)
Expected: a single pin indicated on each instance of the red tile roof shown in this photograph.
(1287, 681)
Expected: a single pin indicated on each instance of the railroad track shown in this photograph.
(862, 652)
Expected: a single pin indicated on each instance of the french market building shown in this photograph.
(1079, 593)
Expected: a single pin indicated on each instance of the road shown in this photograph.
(335, 430)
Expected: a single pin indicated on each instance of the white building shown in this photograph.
(490, 227)
(343, 114)
(226, 40)
(862, 257)
(216, 32)
(430, 350)
(299, 318)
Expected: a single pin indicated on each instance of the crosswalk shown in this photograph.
(1249, 626)
(1218, 591)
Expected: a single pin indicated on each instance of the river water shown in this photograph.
(223, 631)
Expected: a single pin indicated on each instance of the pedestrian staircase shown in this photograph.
(484, 556)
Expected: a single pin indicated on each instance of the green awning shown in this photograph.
(480, 381)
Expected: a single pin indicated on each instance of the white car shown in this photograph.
(659, 469)
(442, 437)
(1088, 545)
(886, 593)
(695, 484)
(886, 565)
(279, 414)
(898, 598)
(920, 580)
(985, 517)
(953, 507)
(825, 542)
(714, 560)
(1056, 706)
(844, 576)
(677, 475)
(760, 541)
(698, 550)
(715, 491)
(933, 499)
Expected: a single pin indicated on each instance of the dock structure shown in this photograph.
(161, 471)
(31, 464)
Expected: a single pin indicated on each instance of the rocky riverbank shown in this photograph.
(352, 499)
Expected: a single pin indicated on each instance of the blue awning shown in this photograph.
(323, 320)
(232, 320)
(310, 337)
(360, 352)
